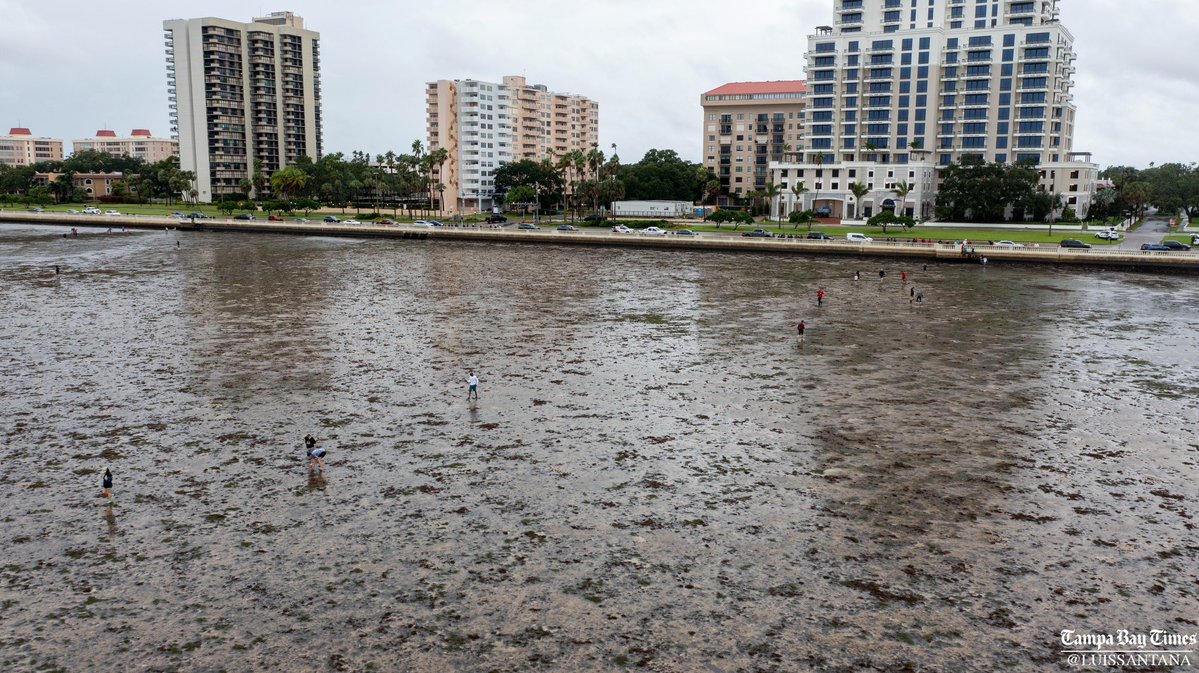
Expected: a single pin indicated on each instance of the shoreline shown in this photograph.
(1092, 257)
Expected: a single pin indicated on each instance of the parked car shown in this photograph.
(1108, 235)
(652, 231)
(423, 223)
(1008, 244)
(192, 216)
(112, 212)
(72, 211)
(91, 210)
(1074, 243)
(1155, 247)
(387, 222)
(243, 216)
(301, 220)
(566, 227)
(686, 232)
(528, 225)
(757, 233)
(1195, 239)
(858, 238)
(594, 218)
(37, 210)
(621, 229)
(331, 219)
(1175, 245)
(496, 219)
(274, 218)
(351, 222)
(819, 236)
(177, 216)
(435, 223)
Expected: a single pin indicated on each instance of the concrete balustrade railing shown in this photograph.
(1097, 256)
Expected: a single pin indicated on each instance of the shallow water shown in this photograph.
(656, 475)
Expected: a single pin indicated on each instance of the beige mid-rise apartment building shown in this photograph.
(141, 144)
(95, 185)
(242, 92)
(746, 126)
(483, 125)
(20, 148)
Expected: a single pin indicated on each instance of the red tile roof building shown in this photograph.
(746, 126)
(20, 148)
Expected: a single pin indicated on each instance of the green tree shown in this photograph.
(40, 195)
(801, 217)
(859, 189)
(1138, 194)
(771, 193)
(663, 175)
(289, 182)
(63, 187)
(259, 179)
(798, 190)
(902, 189)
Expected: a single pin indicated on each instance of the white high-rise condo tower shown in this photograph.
(242, 92)
(909, 85)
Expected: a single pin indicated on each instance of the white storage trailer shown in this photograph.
(652, 209)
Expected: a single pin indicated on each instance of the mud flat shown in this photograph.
(656, 475)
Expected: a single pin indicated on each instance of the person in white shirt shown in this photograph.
(474, 386)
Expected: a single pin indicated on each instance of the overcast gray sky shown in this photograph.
(68, 68)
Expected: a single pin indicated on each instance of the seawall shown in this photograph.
(1097, 257)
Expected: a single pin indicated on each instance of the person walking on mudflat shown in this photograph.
(800, 329)
(820, 298)
(107, 483)
(473, 382)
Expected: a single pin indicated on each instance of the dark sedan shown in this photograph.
(1074, 243)
(1176, 245)
(757, 233)
(527, 225)
(819, 236)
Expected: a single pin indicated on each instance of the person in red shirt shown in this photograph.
(800, 328)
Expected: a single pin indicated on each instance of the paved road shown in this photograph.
(1151, 232)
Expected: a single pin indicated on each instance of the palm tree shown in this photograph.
(902, 189)
(771, 192)
(799, 189)
(259, 180)
(859, 190)
(1056, 201)
(871, 149)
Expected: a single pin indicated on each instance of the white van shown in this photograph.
(854, 237)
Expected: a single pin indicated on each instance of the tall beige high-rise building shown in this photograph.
(483, 125)
(241, 92)
(141, 144)
(746, 126)
(20, 148)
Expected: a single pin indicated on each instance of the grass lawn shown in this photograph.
(922, 232)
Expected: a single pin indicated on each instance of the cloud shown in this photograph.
(70, 67)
